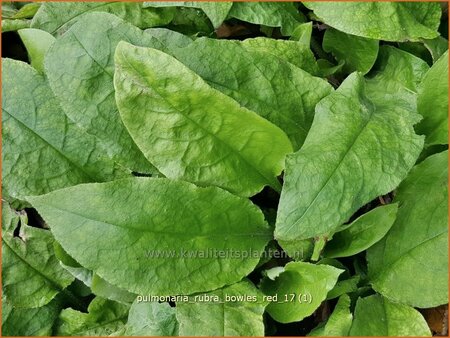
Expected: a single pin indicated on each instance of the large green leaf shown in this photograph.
(150, 319)
(391, 21)
(31, 274)
(37, 43)
(358, 147)
(104, 317)
(432, 103)
(362, 233)
(271, 14)
(339, 322)
(42, 149)
(57, 17)
(140, 252)
(410, 265)
(80, 69)
(187, 129)
(363, 51)
(277, 90)
(377, 316)
(300, 289)
(237, 311)
(29, 322)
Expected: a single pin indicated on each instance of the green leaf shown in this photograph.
(139, 252)
(437, 47)
(410, 265)
(364, 232)
(10, 25)
(364, 148)
(237, 311)
(80, 69)
(390, 21)
(282, 93)
(102, 288)
(397, 76)
(29, 322)
(377, 316)
(57, 17)
(271, 14)
(297, 53)
(37, 134)
(103, 318)
(37, 43)
(217, 12)
(32, 276)
(27, 11)
(169, 38)
(191, 136)
(432, 103)
(363, 51)
(339, 322)
(302, 33)
(300, 289)
(344, 286)
(10, 219)
(150, 319)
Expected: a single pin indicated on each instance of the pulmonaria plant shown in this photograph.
(224, 169)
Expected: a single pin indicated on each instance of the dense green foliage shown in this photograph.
(224, 169)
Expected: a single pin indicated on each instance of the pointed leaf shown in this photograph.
(186, 128)
(37, 43)
(139, 252)
(334, 172)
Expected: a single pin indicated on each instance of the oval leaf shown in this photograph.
(187, 129)
(137, 235)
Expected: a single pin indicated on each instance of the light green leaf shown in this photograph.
(390, 21)
(238, 312)
(344, 286)
(358, 53)
(102, 288)
(271, 14)
(339, 322)
(72, 266)
(150, 319)
(29, 322)
(27, 11)
(139, 252)
(410, 265)
(103, 318)
(217, 12)
(57, 17)
(364, 148)
(37, 43)
(10, 219)
(291, 286)
(37, 134)
(432, 103)
(80, 69)
(186, 128)
(297, 53)
(364, 232)
(32, 276)
(397, 75)
(437, 47)
(377, 316)
(302, 33)
(282, 93)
